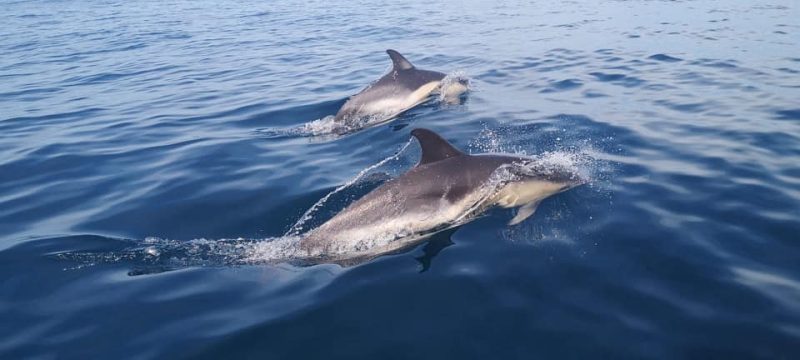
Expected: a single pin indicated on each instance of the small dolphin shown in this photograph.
(446, 188)
(401, 89)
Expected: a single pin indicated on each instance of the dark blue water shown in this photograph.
(140, 172)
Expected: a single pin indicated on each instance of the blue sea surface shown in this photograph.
(146, 162)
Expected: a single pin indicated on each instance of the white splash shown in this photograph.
(323, 126)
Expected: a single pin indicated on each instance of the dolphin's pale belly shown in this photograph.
(391, 105)
(354, 233)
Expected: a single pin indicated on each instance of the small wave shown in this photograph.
(563, 85)
(664, 58)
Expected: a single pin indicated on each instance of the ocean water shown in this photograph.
(147, 158)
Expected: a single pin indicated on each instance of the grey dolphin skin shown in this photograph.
(401, 89)
(446, 188)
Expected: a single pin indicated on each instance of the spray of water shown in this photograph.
(297, 228)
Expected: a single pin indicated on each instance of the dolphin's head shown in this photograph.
(451, 88)
(524, 182)
(563, 174)
(499, 179)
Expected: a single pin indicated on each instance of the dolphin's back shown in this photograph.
(416, 78)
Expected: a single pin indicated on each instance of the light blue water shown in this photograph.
(135, 138)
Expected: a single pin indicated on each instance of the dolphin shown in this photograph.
(401, 89)
(444, 189)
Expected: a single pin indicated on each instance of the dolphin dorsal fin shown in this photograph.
(398, 61)
(434, 147)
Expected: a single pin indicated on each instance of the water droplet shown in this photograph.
(152, 251)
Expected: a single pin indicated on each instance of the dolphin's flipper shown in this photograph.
(398, 61)
(524, 213)
(434, 148)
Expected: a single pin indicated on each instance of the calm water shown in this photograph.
(140, 168)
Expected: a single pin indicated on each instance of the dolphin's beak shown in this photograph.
(578, 181)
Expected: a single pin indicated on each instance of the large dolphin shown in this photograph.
(401, 89)
(446, 188)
